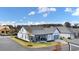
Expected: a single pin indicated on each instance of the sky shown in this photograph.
(38, 15)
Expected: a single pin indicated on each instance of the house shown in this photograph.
(76, 32)
(66, 32)
(4, 30)
(40, 33)
(36, 34)
(14, 29)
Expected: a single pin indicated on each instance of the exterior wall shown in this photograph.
(51, 36)
(76, 34)
(56, 33)
(72, 36)
(23, 34)
(4, 31)
(65, 35)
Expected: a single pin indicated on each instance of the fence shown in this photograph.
(73, 47)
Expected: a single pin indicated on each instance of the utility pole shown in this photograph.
(69, 46)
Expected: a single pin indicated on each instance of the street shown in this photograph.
(6, 44)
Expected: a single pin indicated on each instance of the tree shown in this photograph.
(75, 25)
(67, 24)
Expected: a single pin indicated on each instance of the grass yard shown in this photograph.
(34, 44)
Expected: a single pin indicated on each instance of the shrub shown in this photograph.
(69, 37)
(29, 45)
(61, 38)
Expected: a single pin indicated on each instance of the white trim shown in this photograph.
(74, 45)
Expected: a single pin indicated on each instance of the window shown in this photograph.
(40, 37)
(21, 35)
(2, 31)
(7, 31)
(56, 36)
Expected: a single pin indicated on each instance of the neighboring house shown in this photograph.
(76, 32)
(39, 33)
(14, 29)
(4, 30)
(66, 32)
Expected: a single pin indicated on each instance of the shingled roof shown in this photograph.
(44, 31)
(64, 30)
(39, 29)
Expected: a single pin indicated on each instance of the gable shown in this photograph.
(23, 30)
(64, 30)
(4, 28)
(56, 32)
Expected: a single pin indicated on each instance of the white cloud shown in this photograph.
(41, 22)
(45, 15)
(35, 23)
(52, 9)
(8, 23)
(32, 13)
(76, 13)
(45, 9)
(29, 23)
(68, 10)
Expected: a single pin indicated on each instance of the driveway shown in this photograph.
(6, 44)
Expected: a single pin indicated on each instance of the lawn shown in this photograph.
(34, 44)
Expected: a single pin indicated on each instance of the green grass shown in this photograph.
(34, 44)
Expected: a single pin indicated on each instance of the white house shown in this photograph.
(23, 34)
(38, 34)
(76, 32)
(45, 34)
(66, 32)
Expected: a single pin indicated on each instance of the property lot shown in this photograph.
(6, 44)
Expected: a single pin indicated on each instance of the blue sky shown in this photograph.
(38, 15)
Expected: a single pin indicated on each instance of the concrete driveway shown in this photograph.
(6, 44)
